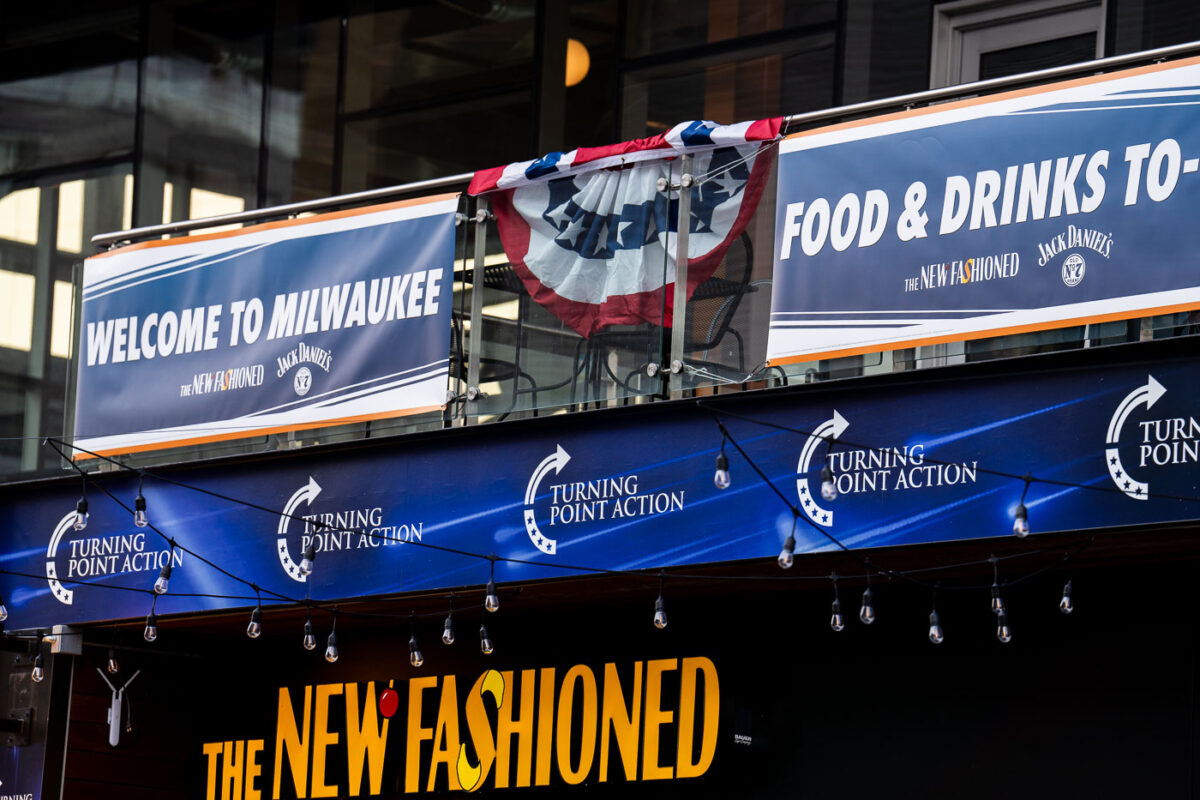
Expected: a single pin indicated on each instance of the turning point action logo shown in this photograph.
(1160, 443)
(616, 497)
(343, 529)
(98, 557)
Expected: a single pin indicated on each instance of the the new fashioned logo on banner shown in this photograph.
(1043, 208)
(334, 318)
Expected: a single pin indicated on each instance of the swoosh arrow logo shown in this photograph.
(831, 428)
(1146, 395)
(305, 494)
(555, 461)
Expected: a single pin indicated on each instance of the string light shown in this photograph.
(721, 477)
(310, 555)
(81, 510)
(836, 621)
(164, 575)
(151, 632)
(866, 613)
(1003, 632)
(935, 626)
(414, 652)
(448, 628)
(139, 507)
(485, 642)
(789, 546)
(113, 667)
(828, 487)
(310, 641)
(492, 601)
(1021, 517)
(254, 629)
(1065, 605)
(660, 611)
(997, 600)
(331, 648)
(39, 673)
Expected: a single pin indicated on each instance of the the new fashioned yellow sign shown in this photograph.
(504, 729)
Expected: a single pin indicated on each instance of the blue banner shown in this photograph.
(317, 321)
(627, 490)
(1063, 205)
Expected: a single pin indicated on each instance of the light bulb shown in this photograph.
(866, 614)
(164, 576)
(997, 600)
(151, 632)
(785, 555)
(306, 563)
(492, 601)
(721, 476)
(331, 651)
(113, 667)
(1021, 522)
(139, 511)
(828, 487)
(485, 643)
(1065, 605)
(3, 611)
(414, 653)
(38, 675)
(81, 514)
(836, 621)
(254, 629)
(660, 614)
(448, 631)
(935, 629)
(1003, 632)
(310, 641)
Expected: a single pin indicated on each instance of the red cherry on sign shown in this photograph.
(389, 701)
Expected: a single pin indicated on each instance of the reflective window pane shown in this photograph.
(752, 87)
(203, 105)
(436, 142)
(660, 26)
(303, 109)
(59, 69)
(398, 55)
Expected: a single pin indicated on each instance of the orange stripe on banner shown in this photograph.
(223, 437)
(985, 334)
(283, 223)
(995, 98)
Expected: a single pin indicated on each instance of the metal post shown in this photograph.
(475, 341)
(679, 308)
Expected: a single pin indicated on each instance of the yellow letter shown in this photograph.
(471, 777)
(522, 728)
(416, 734)
(445, 741)
(545, 728)
(587, 743)
(624, 720)
(364, 739)
(296, 744)
(231, 771)
(323, 738)
(684, 766)
(655, 717)
(213, 751)
(253, 768)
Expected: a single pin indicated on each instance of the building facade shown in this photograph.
(121, 115)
